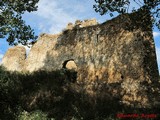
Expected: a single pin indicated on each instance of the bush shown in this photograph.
(58, 95)
(36, 115)
(10, 89)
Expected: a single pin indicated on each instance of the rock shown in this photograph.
(69, 26)
(81, 24)
(14, 58)
(37, 56)
(78, 23)
(89, 22)
(71, 65)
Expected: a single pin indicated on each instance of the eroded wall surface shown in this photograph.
(14, 58)
(120, 51)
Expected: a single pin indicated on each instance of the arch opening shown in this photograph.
(70, 65)
(70, 69)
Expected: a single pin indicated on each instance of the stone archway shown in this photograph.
(70, 65)
(71, 70)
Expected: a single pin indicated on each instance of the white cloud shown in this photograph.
(1, 56)
(27, 48)
(156, 34)
(158, 57)
(50, 11)
(53, 16)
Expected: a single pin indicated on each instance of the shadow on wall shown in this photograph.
(54, 94)
(128, 66)
(68, 91)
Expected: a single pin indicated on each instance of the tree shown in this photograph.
(12, 26)
(124, 6)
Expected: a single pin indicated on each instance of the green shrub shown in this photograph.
(36, 115)
(57, 94)
(10, 88)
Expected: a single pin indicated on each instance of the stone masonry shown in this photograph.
(119, 51)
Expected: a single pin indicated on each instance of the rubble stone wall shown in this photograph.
(120, 51)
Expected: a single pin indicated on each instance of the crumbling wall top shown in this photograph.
(81, 24)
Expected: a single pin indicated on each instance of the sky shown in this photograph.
(53, 16)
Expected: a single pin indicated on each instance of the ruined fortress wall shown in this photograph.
(14, 58)
(118, 51)
(38, 53)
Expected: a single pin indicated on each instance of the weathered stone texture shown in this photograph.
(81, 24)
(38, 53)
(14, 58)
(71, 65)
(120, 51)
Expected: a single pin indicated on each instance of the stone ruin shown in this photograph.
(119, 52)
(81, 24)
(14, 58)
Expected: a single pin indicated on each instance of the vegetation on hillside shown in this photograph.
(55, 96)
